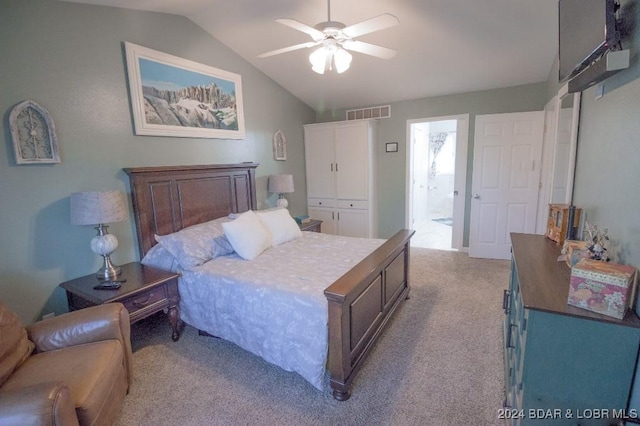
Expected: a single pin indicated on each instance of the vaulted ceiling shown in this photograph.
(444, 46)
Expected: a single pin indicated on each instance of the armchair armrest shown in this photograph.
(94, 324)
(41, 404)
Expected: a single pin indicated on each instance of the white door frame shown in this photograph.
(460, 181)
(548, 174)
(548, 154)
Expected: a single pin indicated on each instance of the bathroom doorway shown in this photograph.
(436, 181)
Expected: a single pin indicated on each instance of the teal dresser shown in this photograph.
(563, 365)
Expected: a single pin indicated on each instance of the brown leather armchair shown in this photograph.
(72, 369)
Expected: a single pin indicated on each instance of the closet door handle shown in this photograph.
(332, 167)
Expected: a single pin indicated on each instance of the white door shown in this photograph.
(352, 161)
(328, 218)
(506, 178)
(420, 181)
(353, 223)
(319, 161)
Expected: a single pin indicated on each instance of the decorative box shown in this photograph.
(575, 251)
(603, 287)
(558, 226)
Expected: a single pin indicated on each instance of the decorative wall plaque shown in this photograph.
(34, 134)
(279, 146)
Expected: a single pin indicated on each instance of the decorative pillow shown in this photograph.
(159, 257)
(221, 246)
(247, 235)
(280, 224)
(192, 246)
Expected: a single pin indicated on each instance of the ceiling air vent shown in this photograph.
(369, 113)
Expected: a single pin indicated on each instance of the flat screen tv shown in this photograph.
(587, 30)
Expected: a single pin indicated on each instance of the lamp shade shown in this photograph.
(281, 183)
(93, 208)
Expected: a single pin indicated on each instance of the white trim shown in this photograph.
(546, 167)
(573, 148)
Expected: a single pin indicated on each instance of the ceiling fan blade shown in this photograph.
(288, 49)
(380, 22)
(297, 25)
(369, 49)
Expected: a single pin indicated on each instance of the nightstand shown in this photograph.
(146, 291)
(313, 225)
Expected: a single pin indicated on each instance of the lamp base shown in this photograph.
(108, 271)
(282, 202)
(104, 244)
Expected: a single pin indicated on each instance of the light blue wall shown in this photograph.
(69, 58)
(391, 174)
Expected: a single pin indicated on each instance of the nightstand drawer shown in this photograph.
(145, 299)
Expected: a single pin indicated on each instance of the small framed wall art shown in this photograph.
(33, 134)
(391, 147)
(279, 146)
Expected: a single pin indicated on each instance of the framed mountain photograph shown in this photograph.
(172, 96)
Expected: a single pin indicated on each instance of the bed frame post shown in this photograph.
(360, 304)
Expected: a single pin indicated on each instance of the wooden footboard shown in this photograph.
(360, 304)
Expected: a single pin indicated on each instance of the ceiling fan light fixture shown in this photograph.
(342, 59)
(318, 59)
(327, 57)
(335, 39)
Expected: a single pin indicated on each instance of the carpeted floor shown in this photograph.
(438, 363)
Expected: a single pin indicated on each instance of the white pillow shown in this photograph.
(281, 225)
(247, 235)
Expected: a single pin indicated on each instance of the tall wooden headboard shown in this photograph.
(168, 198)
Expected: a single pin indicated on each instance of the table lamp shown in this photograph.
(98, 208)
(281, 184)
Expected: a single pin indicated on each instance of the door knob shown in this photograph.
(476, 196)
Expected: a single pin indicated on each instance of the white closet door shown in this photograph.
(353, 223)
(328, 218)
(352, 159)
(319, 158)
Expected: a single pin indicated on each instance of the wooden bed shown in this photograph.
(169, 198)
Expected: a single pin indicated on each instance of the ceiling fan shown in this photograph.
(335, 38)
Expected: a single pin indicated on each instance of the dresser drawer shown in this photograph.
(321, 202)
(353, 204)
